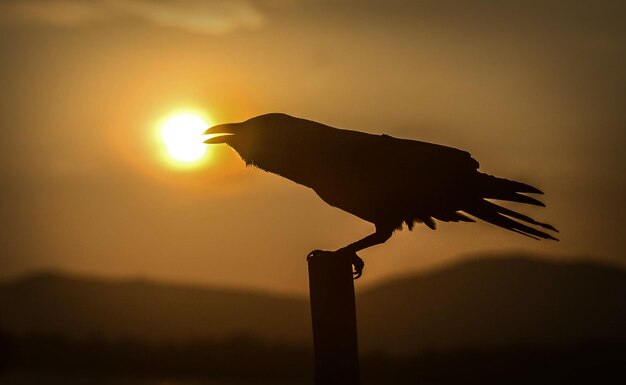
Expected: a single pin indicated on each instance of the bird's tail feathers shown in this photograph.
(501, 216)
(508, 190)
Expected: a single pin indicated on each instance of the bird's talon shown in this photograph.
(355, 260)
(358, 264)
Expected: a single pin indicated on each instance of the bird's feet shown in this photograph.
(355, 260)
(358, 265)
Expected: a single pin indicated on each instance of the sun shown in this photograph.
(182, 137)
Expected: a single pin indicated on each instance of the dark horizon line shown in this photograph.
(465, 260)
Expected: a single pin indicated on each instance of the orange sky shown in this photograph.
(534, 92)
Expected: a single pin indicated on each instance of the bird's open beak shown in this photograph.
(219, 133)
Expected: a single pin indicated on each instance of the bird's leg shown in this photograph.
(380, 236)
(355, 260)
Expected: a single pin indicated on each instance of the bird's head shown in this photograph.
(266, 140)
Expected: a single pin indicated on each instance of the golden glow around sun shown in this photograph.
(182, 137)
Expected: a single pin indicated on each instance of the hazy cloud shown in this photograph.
(211, 17)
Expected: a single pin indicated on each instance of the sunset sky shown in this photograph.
(535, 90)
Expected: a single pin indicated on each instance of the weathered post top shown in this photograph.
(333, 313)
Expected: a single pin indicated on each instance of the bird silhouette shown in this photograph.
(387, 181)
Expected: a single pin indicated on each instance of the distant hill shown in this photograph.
(496, 302)
(478, 303)
(82, 307)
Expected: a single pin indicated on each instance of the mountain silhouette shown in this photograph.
(477, 303)
(85, 307)
(491, 303)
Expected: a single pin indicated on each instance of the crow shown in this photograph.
(381, 179)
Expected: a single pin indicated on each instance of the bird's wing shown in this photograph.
(385, 179)
(454, 185)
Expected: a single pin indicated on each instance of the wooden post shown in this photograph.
(333, 313)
